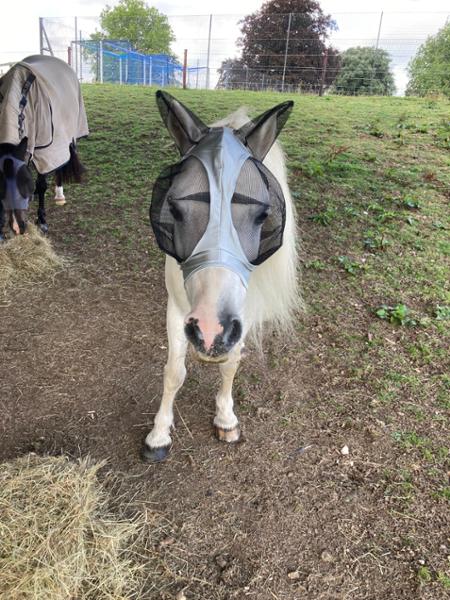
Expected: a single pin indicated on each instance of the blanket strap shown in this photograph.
(23, 102)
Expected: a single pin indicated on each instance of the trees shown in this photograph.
(429, 70)
(234, 73)
(364, 71)
(264, 42)
(143, 26)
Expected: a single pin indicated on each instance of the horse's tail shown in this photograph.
(73, 170)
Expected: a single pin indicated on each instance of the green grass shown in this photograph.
(368, 206)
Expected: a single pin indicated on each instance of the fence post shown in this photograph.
(150, 72)
(196, 76)
(184, 69)
(81, 57)
(120, 70)
(379, 29)
(209, 52)
(286, 51)
(69, 55)
(324, 72)
(101, 60)
(76, 44)
(41, 35)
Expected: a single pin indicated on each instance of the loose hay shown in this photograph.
(57, 538)
(27, 258)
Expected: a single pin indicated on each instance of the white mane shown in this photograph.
(273, 295)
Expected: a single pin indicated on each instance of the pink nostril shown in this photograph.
(207, 328)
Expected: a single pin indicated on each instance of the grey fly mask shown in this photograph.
(219, 205)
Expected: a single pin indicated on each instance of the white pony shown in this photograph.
(213, 219)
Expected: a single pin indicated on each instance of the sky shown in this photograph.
(406, 24)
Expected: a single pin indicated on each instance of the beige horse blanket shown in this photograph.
(40, 98)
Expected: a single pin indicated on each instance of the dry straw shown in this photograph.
(57, 539)
(27, 258)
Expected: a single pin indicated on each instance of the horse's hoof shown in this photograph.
(60, 201)
(2, 238)
(231, 436)
(154, 455)
(43, 228)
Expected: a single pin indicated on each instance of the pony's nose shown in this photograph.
(17, 220)
(213, 339)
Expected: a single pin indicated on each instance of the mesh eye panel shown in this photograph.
(181, 191)
(258, 194)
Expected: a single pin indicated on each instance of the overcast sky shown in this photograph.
(19, 23)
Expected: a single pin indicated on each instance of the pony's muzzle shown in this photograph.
(17, 220)
(213, 342)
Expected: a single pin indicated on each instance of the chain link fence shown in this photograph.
(206, 48)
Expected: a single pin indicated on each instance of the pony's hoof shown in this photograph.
(60, 201)
(43, 228)
(231, 436)
(154, 455)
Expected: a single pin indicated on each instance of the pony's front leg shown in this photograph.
(158, 441)
(41, 188)
(226, 424)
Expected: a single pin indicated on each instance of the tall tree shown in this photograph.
(365, 71)
(429, 70)
(294, 31)
(143, 26)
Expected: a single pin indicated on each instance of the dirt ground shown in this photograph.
(284, 514)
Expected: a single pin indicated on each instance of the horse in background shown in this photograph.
(225, 218)
(42, 116)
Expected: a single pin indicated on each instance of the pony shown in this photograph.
(225, 219)
(42, 116)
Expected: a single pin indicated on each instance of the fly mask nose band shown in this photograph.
(13, 198)
(222, 156)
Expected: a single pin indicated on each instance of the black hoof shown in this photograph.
(2, 238)
(43, 227)
(153, 455)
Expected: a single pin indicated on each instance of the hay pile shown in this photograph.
(57, 540)
(26, 258)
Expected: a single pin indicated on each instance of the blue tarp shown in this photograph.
(117, 62)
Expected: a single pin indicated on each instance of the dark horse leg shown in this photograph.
(2, 221)
(41, 188)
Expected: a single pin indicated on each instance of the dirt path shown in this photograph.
(282, 515)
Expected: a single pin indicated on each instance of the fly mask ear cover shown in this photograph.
(16, 183)
(218, 175)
